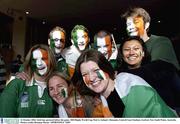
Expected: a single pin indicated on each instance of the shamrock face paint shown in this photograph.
(58, 89)
(57, 41)
(81, 40)
(135, 26)
(39, 62)
(132, 53)
(104, 46)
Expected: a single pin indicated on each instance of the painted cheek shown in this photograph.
(45, 56)
(33, 65)
(86, 79)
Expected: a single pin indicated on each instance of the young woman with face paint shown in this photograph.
(69, 103)
(125, 95)
(161, 75)
(30, 98)
(160, 47)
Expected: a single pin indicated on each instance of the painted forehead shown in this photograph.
(103, 41)
(80, 33)
(40, 53)
(134, 19)
(58, 34)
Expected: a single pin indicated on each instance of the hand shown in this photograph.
(22, 75)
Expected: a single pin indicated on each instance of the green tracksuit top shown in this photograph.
(19, 100)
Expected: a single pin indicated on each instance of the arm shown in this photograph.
(9, 99)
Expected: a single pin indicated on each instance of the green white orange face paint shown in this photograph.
(57, 41)
(135, 26)
(99, 74)
(104, 46)
(82, 39)
(39, 62)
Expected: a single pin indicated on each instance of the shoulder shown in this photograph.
(125, 81)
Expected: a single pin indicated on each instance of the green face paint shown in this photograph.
(101, 75)
(52, 44)
(63, 92)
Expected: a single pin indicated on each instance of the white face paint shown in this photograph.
(102, 47)
(41, 60)
(59, 41)
(131, 28)
(82, 39)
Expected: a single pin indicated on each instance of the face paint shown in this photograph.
(86, 79)
(57, 42)
(39, 62)
(100, 74)
(104, 46)
(81, 40)
(135, 26)
(63, 92)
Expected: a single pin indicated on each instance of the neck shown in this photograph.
(109, 88)
(145, 37)
(39, 78)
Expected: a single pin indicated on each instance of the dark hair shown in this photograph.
(146, 59)
(139, 12)
(101, 34)
(102, 62)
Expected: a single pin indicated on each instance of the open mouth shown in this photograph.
(41, 68)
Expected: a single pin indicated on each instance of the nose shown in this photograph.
(39, 62)
(81, 40)
(56, 91)
(131, 52)
(91, 76)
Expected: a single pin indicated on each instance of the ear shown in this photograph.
(147, 24)
(72, 41)
(143, 53)
(49, 41)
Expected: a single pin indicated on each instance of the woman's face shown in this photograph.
(94, 78)
(133, 53)
(58, 89)
(39, 63)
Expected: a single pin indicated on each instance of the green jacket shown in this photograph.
(161, 48)
(19, 100)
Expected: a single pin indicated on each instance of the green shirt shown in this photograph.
(161, 48)
(19, 100)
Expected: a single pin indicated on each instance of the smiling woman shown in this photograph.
(30, 98)
(125, 95)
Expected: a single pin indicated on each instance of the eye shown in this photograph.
(136, 48)
(96, 70)
(126, 49)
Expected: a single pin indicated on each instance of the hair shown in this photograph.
(74, 33)
(78, 27)
(102, 62)
(101, 34)
(57, 28)
(28, 59)
(139, 12)
(61, 75)
(122, 64)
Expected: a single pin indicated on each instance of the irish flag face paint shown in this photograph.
(81, 40)
(98, 73)
(104, 46)
(135, 26)
(93, 77)
(57, 42)
(39, 61)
